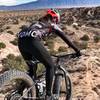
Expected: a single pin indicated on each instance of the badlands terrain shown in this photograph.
(82, 25)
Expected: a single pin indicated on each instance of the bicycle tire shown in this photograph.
(68, 87)
(14, 75)
(57, 86)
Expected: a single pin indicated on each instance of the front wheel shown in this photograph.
(62, 88)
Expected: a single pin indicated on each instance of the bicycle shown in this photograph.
(35, 87)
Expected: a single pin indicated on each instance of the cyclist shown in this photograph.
(32, 49)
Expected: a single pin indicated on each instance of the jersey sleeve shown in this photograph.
(66, 39)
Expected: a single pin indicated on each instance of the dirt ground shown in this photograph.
(85, 72)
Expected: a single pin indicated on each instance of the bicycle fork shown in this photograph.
(57, 83)
(59, 75)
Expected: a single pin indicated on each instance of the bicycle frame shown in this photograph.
(60, 71)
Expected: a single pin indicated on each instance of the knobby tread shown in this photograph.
(13, 75)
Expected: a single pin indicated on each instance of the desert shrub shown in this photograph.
(63, 27)
(22, 18)
(36, 17)
(90, 24)
(40, 68)
(85, 38)
(17, 62)
(10, 32)
(23, 27)
(52, 52)
(98, 23)
(1, 30)
(2, 45)
(15, 21)
(14, 62)
(8, 27)
(69, 20)
(81, 45)
(50, 44)
(51, 38)
(14, 42)
(29, 19)
(76, 27)
(62, 49)
(96, 38)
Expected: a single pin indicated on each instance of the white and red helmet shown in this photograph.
(54, 14)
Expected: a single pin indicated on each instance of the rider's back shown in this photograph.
(36, 29)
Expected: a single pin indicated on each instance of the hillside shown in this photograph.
(41, 4)
(82, 25)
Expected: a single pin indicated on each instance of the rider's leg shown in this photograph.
(43, 56)
(31, 69)
(37, 49)
(30, 61)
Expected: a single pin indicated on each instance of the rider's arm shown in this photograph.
(61, 34)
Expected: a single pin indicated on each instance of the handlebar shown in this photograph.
(64, 56)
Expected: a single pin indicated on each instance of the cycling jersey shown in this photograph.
(40, 30)
(37, 29)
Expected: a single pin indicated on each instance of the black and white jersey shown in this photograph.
(38, 29)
